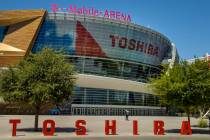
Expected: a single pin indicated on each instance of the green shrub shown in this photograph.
(202, 123)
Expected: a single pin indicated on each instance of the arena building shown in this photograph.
(114, 59)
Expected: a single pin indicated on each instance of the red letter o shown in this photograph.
(52, 128)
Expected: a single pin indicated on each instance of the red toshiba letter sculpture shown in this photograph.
(158, 127)
(135, 127)
(80, 128)
(14, 125)
(111, 127)
(186, 129)
(52, 128)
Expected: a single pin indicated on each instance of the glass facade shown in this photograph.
(61, 31)
(56, 34)
(113, 97)
(114, 68)
(88, 36)
(2, 32)
(98, 46)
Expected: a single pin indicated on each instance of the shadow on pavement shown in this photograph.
(57, 129)
(196, 126)
(194, 131)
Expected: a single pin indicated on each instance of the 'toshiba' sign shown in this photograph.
(110, 127)
(111, 14)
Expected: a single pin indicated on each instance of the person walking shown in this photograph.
(126, 114)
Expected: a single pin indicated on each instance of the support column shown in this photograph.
(107, 97)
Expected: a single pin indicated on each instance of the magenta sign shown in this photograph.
(91, 11)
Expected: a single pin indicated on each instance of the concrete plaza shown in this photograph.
(65, 127)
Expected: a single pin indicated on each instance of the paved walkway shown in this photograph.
(95, 127)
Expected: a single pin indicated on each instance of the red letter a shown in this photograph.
(158, 127)
(186, 129)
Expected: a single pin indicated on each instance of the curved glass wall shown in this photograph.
(112, 97)
(103, 47)
(114, 68)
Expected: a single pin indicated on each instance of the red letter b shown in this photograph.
(158, 127)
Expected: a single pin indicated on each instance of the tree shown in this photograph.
(185, 86)
(200, 70)
(39, 79)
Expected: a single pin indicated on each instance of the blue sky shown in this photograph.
(184, 22)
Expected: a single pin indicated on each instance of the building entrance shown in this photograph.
(115, 110)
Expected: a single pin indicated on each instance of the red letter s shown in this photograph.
(80, 129)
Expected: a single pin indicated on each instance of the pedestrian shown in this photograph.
(126, 114)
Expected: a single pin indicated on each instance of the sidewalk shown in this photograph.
(65, 127)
